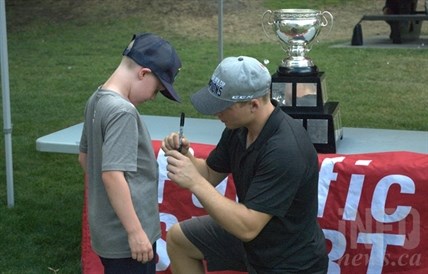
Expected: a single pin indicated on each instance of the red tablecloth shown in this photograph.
(372, 209)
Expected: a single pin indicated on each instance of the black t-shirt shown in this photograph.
(278, 175)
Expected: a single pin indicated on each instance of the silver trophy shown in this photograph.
(296, 29)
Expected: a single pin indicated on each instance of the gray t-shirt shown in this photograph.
(115, 138)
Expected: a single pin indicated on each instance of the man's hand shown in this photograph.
(181, 170)
(171, 142)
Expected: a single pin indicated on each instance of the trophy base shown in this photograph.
(300, 93)
(296, 71)
(324, 128)
(304, 98)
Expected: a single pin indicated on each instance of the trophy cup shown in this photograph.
(296, 29)
(298, 86)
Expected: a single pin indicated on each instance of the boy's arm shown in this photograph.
(120, 198)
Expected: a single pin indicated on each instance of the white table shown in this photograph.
(208, 131)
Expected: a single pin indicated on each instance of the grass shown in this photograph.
(55, 65)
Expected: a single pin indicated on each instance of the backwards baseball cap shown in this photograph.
(151, 51)
(236, 79)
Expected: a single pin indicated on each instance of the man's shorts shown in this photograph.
(222, 250)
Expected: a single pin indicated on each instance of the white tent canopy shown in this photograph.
(7, 124)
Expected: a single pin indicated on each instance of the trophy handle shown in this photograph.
(268, 22)
(325, 21)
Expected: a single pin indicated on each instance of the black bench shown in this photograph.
(417, 18)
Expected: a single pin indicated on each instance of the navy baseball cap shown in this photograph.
(151, 51)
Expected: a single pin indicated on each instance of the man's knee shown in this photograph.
(178, 244)
(174, 237)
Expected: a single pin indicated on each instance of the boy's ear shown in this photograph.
(143, 72)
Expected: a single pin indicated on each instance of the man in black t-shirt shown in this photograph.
(273, 227)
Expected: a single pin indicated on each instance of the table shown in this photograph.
(372, 195)
(208, 131)
(398, 35)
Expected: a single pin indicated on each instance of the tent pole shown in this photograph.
(220, 30)
(7, 124)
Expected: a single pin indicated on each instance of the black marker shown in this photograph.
(180, 133)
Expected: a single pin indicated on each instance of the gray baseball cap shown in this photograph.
(236, 79)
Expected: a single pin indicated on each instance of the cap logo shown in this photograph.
(242, 97)
(176, 73)
(216, 86)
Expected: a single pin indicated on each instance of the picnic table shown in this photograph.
(399, 34)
